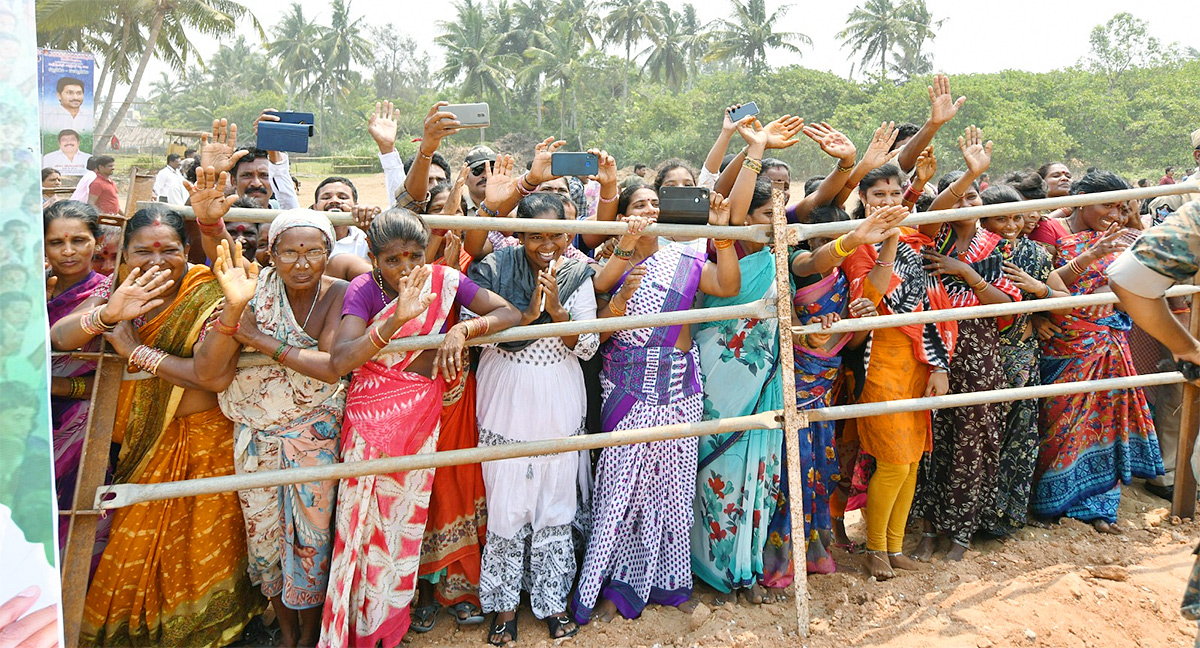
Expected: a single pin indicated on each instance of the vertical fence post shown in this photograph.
(1183, 503)
(793, 419)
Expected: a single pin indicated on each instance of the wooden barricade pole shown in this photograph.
(1183, 502)
(793, 418)
(76, 561)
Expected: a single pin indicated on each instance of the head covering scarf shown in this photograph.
(300, 218)
(576, 187)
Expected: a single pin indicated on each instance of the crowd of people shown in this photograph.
(365, 560)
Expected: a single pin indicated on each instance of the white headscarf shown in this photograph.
(300, 218)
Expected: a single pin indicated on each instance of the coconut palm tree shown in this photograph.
(556, 63)
(473, 53)
(293, 49)
(873, 32)
(668, 57)
(751, 34)
(629, 21)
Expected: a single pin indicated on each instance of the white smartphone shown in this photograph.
(474, 115)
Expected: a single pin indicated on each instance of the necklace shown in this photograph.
(379, 281)
(312, 308)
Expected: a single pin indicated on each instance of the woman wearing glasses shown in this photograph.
(286, 413)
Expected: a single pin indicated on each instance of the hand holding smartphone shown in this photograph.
(747, 109)
(472, 115)
(574, 164)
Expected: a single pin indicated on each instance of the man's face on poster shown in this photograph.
(69, 145)
(71, 97)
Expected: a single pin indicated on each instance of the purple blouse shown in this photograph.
(365, 300)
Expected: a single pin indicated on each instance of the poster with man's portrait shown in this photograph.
(66, 109)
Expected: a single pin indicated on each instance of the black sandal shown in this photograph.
(500, 629)
(425, 617)
(555, 624)
(466, 613)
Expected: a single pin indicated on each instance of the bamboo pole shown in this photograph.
(760, 309)
(1183, 501)
(120, 495)
(971, 312)
(1003, 209)
(793, 418)
(754, 233)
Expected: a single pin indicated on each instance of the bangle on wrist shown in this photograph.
(1048, 291)
(885, 264)
(280, 351)
(980, 285)
(752, 164)
(612, 308)
(213, 229)
(487, 211)
(621, 254)
(723, 244)
(605, 201)
(91, 323)
(953, 192)
(224, 329)
(524, 186)
(845, 169)
(839, 251)
(476, 327)
(78, 388)
(147, 358)
(911, 195)
(376, 338)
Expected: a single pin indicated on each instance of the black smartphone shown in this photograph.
(574, 164)
(683, 205)
(738, 114)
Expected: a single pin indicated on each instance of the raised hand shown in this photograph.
(534, 309)
(1114, 241)
(438, 125)
(209, 201)
(718, 209)
(606, 171)
(219, 150)
(880, 224)
(548, 282)
(779, 134)
(137, 295)
(539, 171)
(364, 215)
(943, 105)
(381, 125)
(727, 124)
(453, 249)
(237, 282)
(834, 143)
(454, 200)
(879, 152)
(409, 301)
(268, 114)
(976, 153)
(51, 284)
(926, 166)
(501, 184)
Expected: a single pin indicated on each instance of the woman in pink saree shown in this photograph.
(393, 408)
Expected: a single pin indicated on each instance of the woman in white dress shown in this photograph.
(529, 391)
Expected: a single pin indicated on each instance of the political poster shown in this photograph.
(66, 109)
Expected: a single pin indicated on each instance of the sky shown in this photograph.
(1033, 35)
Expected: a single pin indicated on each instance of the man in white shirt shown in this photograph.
(68, 159)
(83, 189)
(69, 113)
(168, 184)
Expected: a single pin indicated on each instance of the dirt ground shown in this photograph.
(1067, 587)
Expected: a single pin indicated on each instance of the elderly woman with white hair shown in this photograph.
(287, 413)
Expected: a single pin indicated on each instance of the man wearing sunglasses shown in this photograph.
(478, 160)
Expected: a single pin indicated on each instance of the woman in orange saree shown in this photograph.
(174, 571)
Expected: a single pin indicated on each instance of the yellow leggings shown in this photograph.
(889, 497)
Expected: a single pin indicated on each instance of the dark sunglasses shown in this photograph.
(478, 169)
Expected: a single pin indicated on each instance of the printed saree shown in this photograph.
(738, 473)
(1092, 442)
(174, 571)
(381, 519)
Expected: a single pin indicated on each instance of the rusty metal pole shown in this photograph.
(793, 418)
(76, 561)
(1183, 503)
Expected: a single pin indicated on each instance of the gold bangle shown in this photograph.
(840, 251)
(953, 192)
(979, 286)
(752, 164)
(614, 310)
(723, 244)
(842, 169)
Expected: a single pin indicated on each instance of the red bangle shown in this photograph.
(226, 330)
(438, 232)
(377, 338)
(216, 228)
(911, 195)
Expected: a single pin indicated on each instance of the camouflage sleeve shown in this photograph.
(1162, 256)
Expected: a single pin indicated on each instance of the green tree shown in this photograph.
(473, 53)
(556, 63)
(750, 34)
(1121, 44)
(400, 69)
(873, 32)
(912, 60)
(671, 57)
(629, 21)
(293, 49)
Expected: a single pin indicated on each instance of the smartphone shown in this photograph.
(475, 115)
(293, 117)
(738, 114)
(278, 136)
(683, 205)
(574, 164)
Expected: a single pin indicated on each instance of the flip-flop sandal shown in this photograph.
(500, 629)
(425, 617)
(556, 623)
(466, 613)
